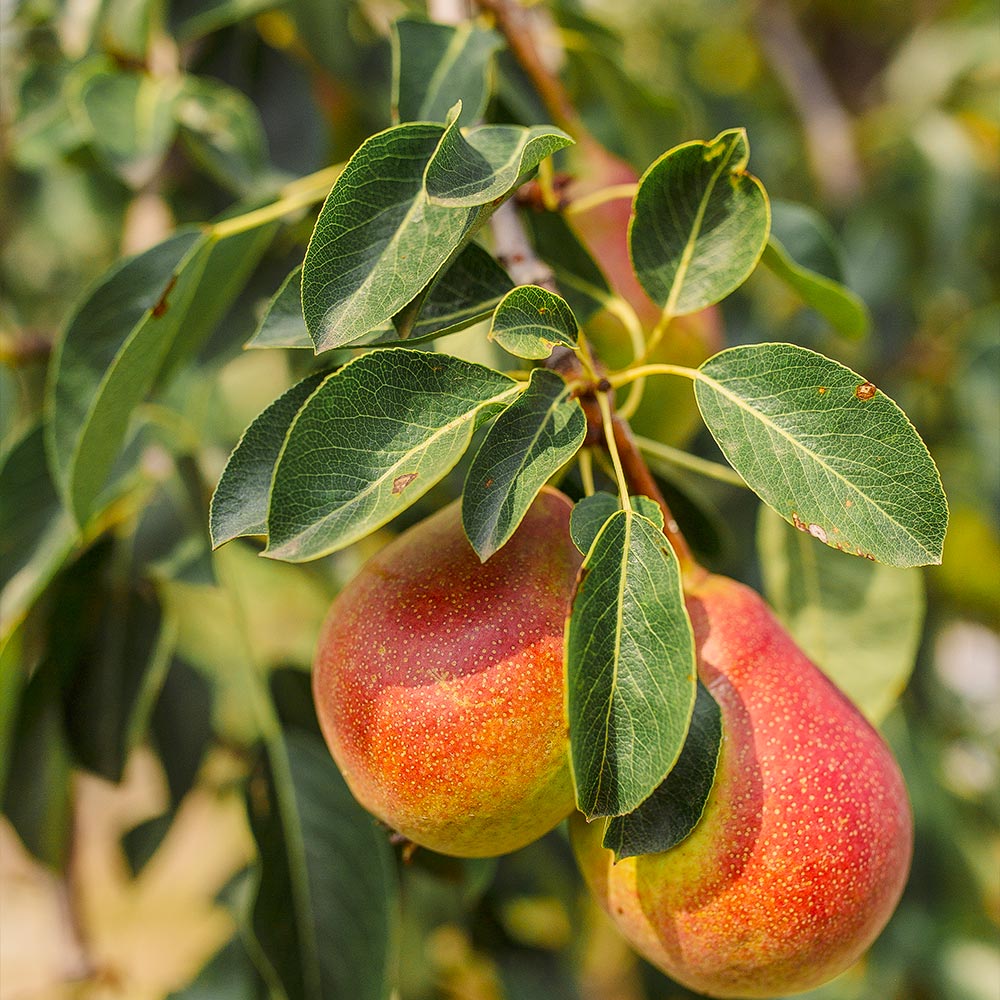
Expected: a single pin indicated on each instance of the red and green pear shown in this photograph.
(438, 683)
(804, 846)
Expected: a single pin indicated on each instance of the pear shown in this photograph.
(438, 683)
(804, 846)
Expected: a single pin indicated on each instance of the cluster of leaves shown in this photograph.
(400, 256)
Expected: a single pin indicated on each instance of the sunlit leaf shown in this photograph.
(530, 321)
(831, 453)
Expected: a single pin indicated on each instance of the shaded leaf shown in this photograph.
(229, 975)
(674, 809)
(588, 517)
(530, 321)
(488, 162)
(699, 225)
(326, 909)
(108, 357)
(370, 441)
(845, 312)
(435, 65)
(529, 442)
(630, 664)
(36, 533)
(857, 620)
(239, 504)
(282, 324)
(827, 450)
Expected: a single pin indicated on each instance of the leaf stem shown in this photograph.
(628, 375)
(685, 460)
(613, 192)
(607, 418)
(585, 460)
(295, 195)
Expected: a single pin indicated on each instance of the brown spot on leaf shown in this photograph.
(865, 391)
(848, 503)
(162, 304)
(401, 482)
(542, 310)
(798, 522)
(822, 390)
(488, 483)
(817, 531)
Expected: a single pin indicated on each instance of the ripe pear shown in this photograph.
(438, 683)
(804, 846)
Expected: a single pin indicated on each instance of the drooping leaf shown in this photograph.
(467, 170)
(223, 130)
(466, 293)
(630, 664)
(530, 321)
(435, 65)
(283, 324)
(370, 441)
(700, 223)
(36, 533)
(808, 238)
(859, 621)
(833, 455)
(239, 504)
(131, 120)
(326, 909)
(845, 312)
(529, 442)
(229, 975)
(108, 357)
(215, 14)
(589, 516)
(378, 240)
(674, 809)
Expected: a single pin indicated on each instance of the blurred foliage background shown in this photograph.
(134, 662)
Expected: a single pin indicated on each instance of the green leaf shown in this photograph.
(229, 975)
(378, 241)
(699, 224)
(529, 442)
(833, 455)
(36, 533)
(370, 441)
(674, 809)
(326, 913)
(588, 517)
(845, 312)
(107, 360)
(131, 120)
(630, 664)
(530, 321)
(466, 293)
(435, 65)
(487, 163)
(239, 504)
(579, 278)
(859, 621)
(216, 14)
(223, 130)
(282, 324)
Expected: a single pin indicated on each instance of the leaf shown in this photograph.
(699, 223)
(528, 443)
(487, 163)
(36, 533)
(282, 324)
(435, 65)
(229, 975)
(859, 621)
(108, 357)
(630, 664)
(808, 238)
(378, 241)
(466, 293)
(530, 321)
(588, 517)
(239, 504)
(829, 452)
(131, 120)
(672, 812)
(370, 441)
(326, 913)
(216, 14)
(224, 132)
(845, 312)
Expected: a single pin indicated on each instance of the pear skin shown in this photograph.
(804, 847)
(438, 683)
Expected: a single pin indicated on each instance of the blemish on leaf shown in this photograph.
(488, 483)
(848, 503)
(822, 390)
(162, 304)
(401, 482)
(542, 310)
(865, 391)
(817, 531)
(798, 522)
